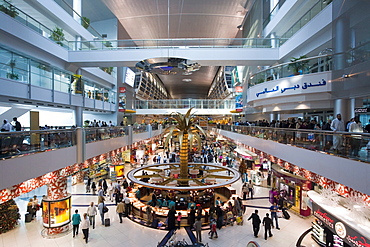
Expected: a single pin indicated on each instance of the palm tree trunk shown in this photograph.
(184, 153)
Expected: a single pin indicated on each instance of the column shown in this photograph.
(78, 116)
(81, 145)
(341, 41)
(56, 207)
(77, 7)
(341, 106)
(274, 116)
(149, 128)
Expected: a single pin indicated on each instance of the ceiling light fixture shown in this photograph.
(168, 66)
(187, 80)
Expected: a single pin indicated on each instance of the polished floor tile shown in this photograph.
(131, 234)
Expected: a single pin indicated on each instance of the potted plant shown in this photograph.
(9, 10)
(57, 35)
(85, 22)
(297, 66)
(108, 70)
(107, 44)
(12, 75)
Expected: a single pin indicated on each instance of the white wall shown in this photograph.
(108, 27)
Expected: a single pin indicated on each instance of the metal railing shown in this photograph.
(273, 12)
(30, 22)
(93, 134)
(304, 66)
(344, 144)
(185, 103)
(19, 143)
(175, 43)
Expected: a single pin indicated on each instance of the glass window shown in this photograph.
(61, 81)
(41, 75)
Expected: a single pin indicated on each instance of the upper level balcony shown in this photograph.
(36, 153)
(347, 163)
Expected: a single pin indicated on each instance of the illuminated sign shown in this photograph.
(130, 77)
(121, 99)
(56, 213)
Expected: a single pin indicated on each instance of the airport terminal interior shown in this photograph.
(185, 123)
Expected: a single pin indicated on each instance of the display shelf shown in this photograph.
(318, 234)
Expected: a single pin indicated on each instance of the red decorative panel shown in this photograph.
(57, 230)
(57, 189)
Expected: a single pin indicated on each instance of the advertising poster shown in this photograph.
(126, 155)
(119, 170)
(238, 97)
(77, 84)
(122, 99)
(56, 213)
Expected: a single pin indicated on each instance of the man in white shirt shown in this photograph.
(91, 212)
(355, 140)
(337, 125)
(127, 202)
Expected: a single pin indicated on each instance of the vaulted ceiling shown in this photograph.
(174, 19)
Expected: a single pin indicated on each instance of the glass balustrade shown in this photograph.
(25, 142)
(185, 104)
(309, 15)
(19, 15)
(355, 145)
(303, 66)
(103, 133)
(139, 128)
(175, 43)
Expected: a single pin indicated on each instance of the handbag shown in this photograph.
(105, 209)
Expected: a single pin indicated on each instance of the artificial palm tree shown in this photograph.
(187, 132)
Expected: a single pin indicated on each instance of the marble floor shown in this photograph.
(131, 234)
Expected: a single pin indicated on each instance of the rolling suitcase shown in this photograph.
(286, 214)
(28, 218)
(107, 222)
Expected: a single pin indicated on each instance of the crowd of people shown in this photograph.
(299, 123)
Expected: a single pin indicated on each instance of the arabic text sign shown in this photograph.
(312, 83)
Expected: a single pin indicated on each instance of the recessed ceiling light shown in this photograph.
(187, 73)
(187, 80)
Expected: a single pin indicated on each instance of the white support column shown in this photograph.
(77, 7)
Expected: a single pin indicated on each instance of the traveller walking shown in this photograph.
(256, 221)
(127, 202)
(101, 207)
(213, 228)
(85, 227)
(6, 126)
(178, 219)
(17, 125)
(88, 184)
(198, 229)
(110, 191)
(273, 209)
(76, 220)
(120, 210)
(250, 189)
(93, 187)
(92, 212)
(337, 125)
(267, 222)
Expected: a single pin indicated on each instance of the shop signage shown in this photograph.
(362, 110)
(305, 84)
(122, 99)
(347, 233)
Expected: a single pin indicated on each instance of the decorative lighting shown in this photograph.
(168, 66)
